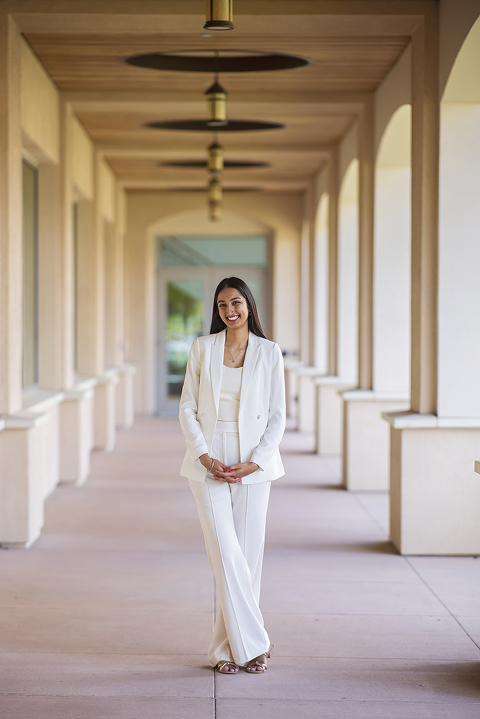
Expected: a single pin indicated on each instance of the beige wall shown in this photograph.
(106, 191)
(39, 107)
(82, 165)
(279, 214)
(454, 28)
(393, 92)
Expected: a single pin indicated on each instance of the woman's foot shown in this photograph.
(257, 665)
(225, 667)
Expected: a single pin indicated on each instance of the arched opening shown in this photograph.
(320, 319)
(348, 275)
(459, 232)
(192, 256)
(391, 313)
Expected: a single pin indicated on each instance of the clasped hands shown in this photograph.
(232, 474)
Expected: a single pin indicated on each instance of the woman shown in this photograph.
(232, 412)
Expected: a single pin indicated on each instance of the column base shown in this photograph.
(435, 493)
(329, 413)
(104, 423)
(306, 377)
(76, 432)
(291, 390)
(366, 439)
(125, 414)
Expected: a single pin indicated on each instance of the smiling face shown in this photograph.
(233, 308)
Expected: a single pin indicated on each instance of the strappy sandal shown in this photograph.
(224, 663)
(251, 667)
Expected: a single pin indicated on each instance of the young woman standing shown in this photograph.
(232, 412)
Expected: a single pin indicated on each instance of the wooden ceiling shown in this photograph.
(318, 102)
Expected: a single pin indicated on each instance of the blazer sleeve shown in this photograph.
(268, 445)
(196, 444)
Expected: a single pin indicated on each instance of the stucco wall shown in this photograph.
(82, 160)
(39, 108)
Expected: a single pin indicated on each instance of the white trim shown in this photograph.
(35, 399)
(370, 395)
(413, 420)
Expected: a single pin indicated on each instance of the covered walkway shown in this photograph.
(109, 613)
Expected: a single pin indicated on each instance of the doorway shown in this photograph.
(188, 271)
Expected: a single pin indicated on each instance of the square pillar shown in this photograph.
(306, 397)
(366, 439)
(125, 399)
(435, 493)
(21, 479)
(291, 389)
(76, 433)
(105, 419)
(329, 414)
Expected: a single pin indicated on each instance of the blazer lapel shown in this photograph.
(251, 357)
(216, 366)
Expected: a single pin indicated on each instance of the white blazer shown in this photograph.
(261, 419)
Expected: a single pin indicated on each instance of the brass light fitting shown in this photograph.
(215, 158)
(214, 209)
(217, 104)
(215, 190)
(219, 15)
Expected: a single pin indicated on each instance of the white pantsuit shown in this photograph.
(233, 515)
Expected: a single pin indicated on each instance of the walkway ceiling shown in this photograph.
(81, 45)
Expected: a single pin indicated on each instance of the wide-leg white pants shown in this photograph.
(233, 521)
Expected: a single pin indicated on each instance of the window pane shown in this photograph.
(30, 275)
(184, 323)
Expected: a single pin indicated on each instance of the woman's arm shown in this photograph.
(196, 443)
(268, 445)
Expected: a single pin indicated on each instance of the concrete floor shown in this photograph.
(110, 613)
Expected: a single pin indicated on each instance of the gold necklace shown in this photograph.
(237, 355)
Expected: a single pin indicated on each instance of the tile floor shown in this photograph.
(108, 616)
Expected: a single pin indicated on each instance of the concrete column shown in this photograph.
(10, 218)
(91, 315)
(51, 283)
(124, 399)
(424, 262)
(305, 283)
(435, 493)
(332, 350)
(119, 278)
(366, 190)
(382, 335)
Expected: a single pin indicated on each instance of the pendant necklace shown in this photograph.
(237, 355)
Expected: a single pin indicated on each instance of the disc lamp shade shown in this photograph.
(215, 158)
(214, 209)
(219, 15)
(217, 104)
(215, 190)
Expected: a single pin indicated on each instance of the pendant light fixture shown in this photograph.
(214, 209)
(219, 15)
(216, 104)
(215, 158)
(215, 190)
(215, 196)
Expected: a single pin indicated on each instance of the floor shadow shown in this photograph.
(313, 485)
(384, 547)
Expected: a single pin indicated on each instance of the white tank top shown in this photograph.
(230, 394)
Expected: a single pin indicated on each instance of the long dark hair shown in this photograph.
(254, 324)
